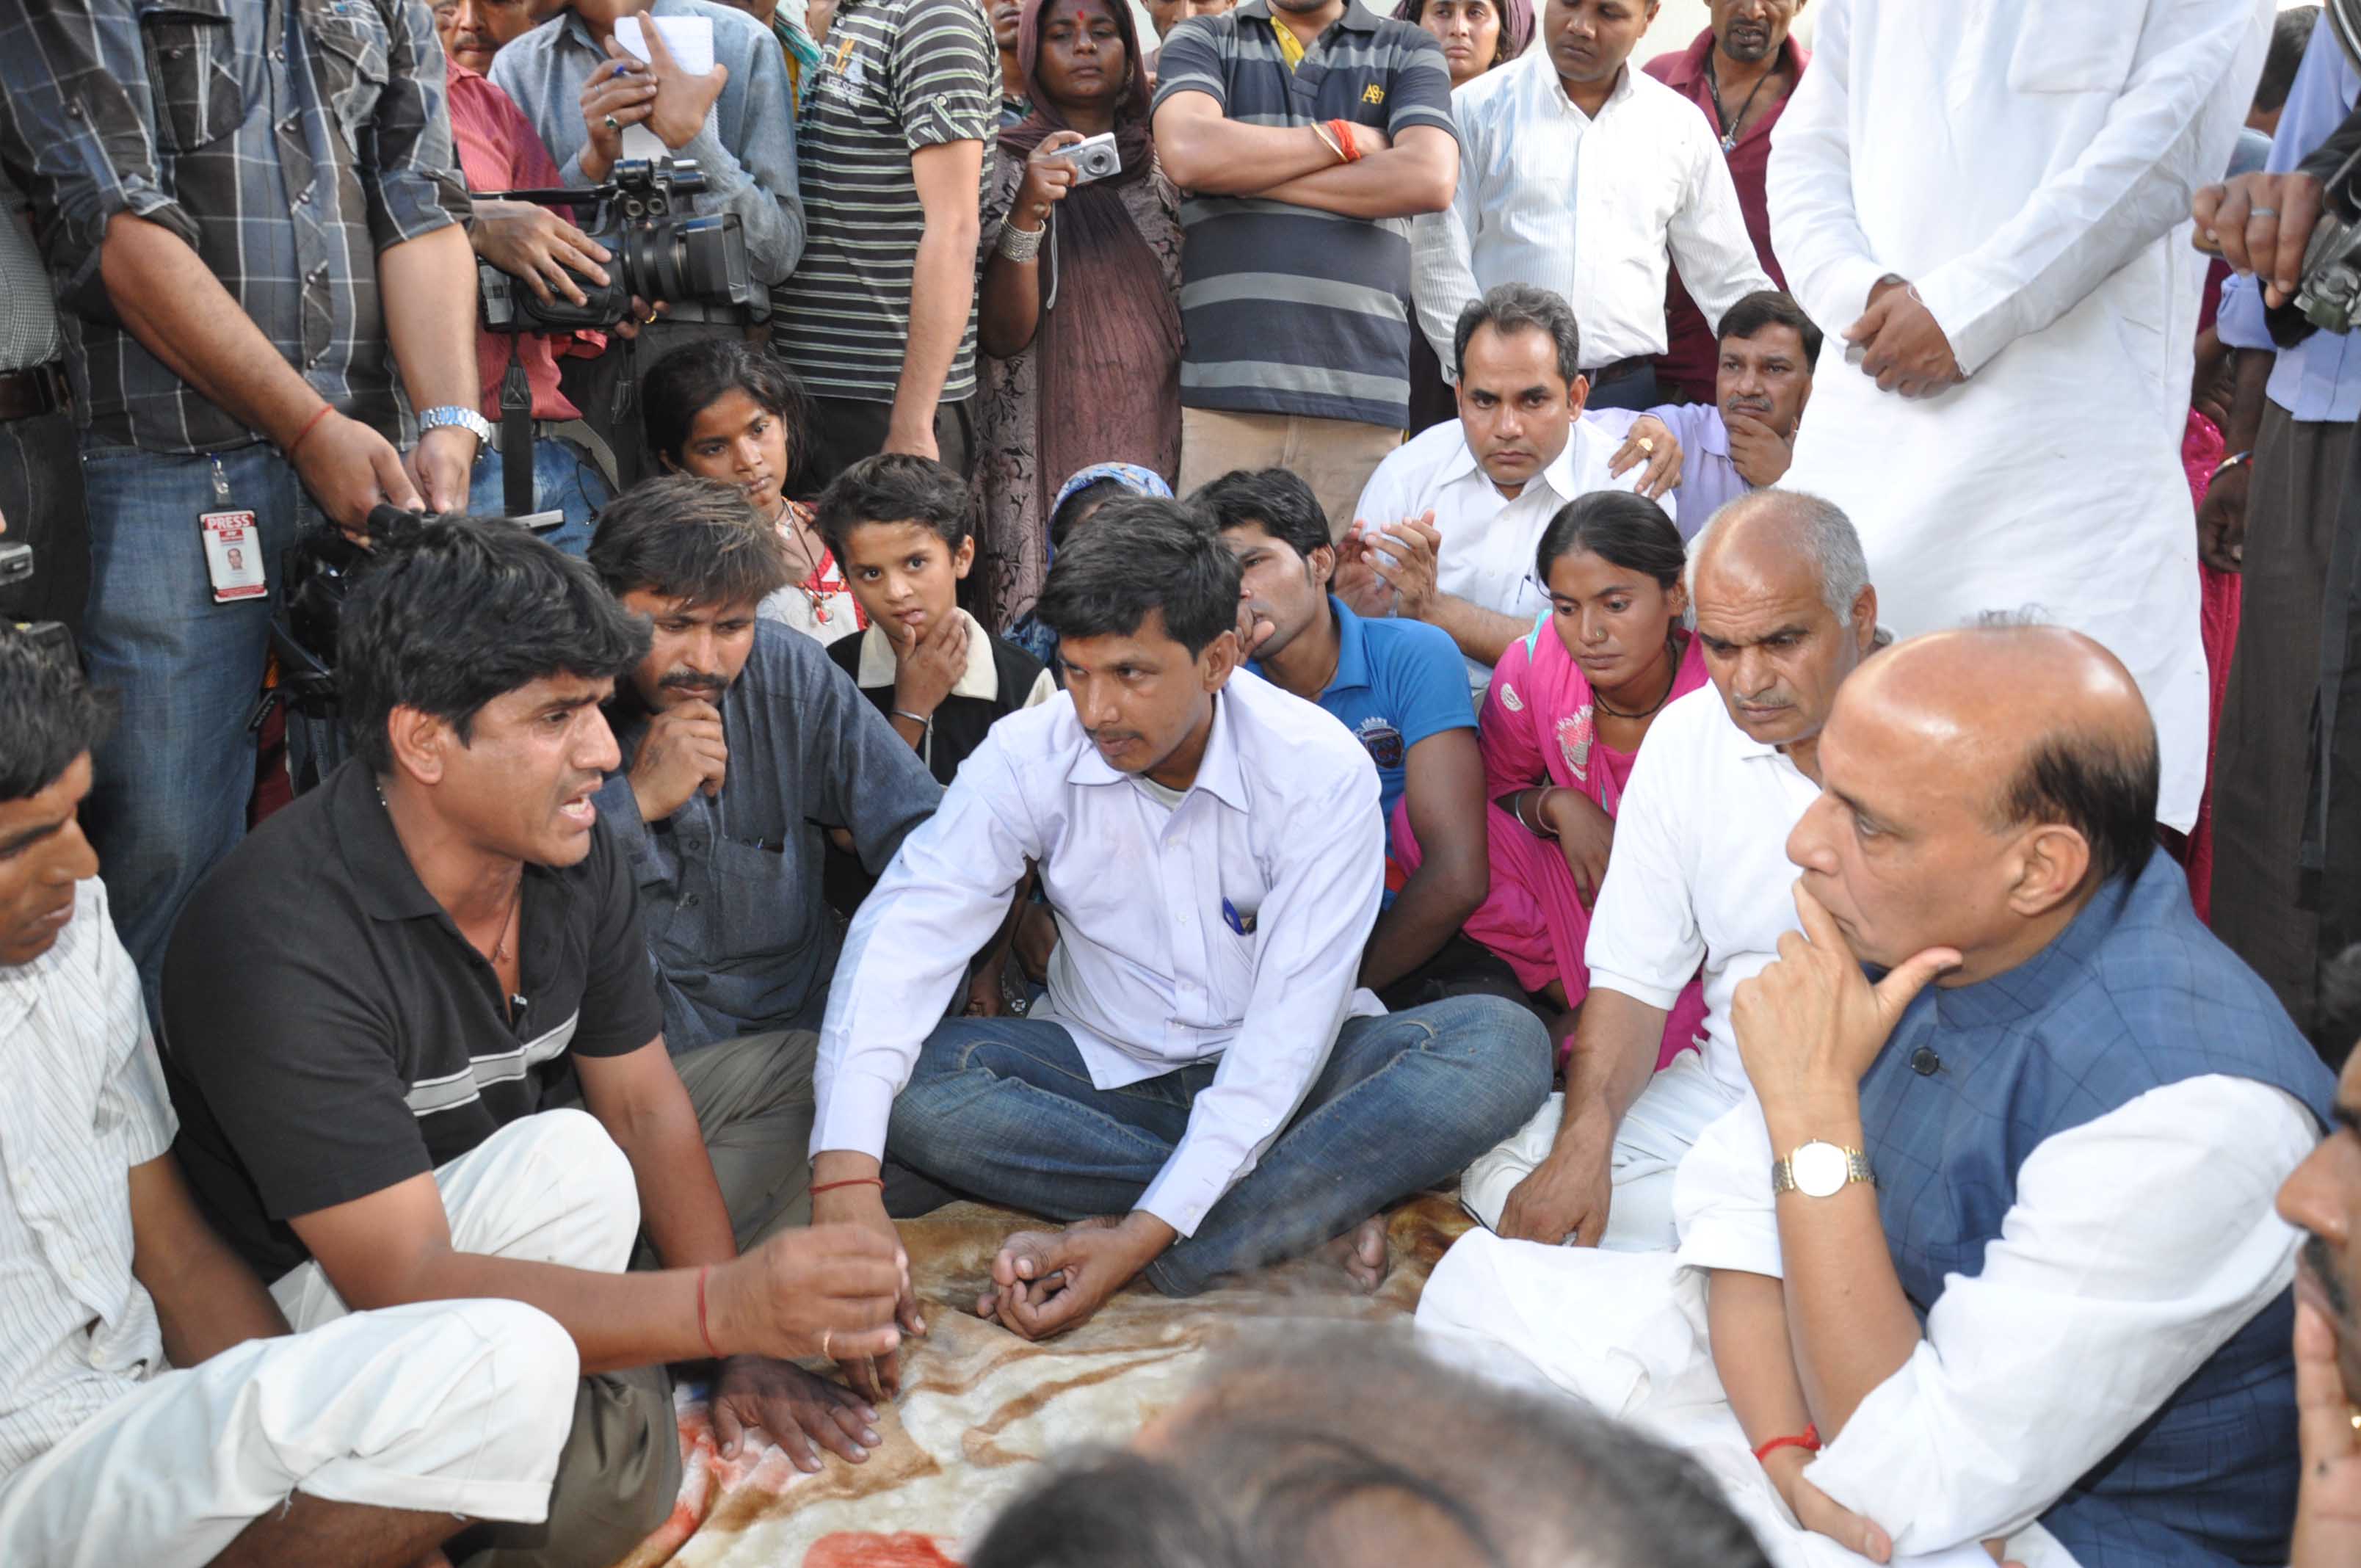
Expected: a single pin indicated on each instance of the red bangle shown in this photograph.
(323, 412)
(1343, 129)
(704, 1332)
(876, 1182)
(1808, 1440)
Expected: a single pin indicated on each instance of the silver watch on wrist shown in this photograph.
(467, 419)
(1820, 1170)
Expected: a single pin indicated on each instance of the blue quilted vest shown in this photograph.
(2134, 995)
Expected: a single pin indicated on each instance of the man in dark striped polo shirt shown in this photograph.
(1307, 133)
(879, 319)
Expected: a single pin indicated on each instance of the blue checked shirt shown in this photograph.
(287, 141)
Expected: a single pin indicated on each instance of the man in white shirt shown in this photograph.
(1979, 205)
(1204, 1088)
(1580, 174)
(1698, 875)
(1446, 529)
(154, 1409)
(2013, 1275)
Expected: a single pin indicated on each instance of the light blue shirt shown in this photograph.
(2320, 379)
(747, 148)
(1710, 478)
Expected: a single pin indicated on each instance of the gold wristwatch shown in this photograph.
(1820, 1170)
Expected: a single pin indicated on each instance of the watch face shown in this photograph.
(1819, 1169)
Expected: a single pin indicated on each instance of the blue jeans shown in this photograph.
(1005, 1109)
(171, 780)
(566, 478)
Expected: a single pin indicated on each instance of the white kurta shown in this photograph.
(2029, 166)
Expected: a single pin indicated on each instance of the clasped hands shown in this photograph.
(1903, 346)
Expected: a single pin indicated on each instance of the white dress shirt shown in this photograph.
(1700, 872)
(2028, 166)
(85, 1102)
(1280, 825)
(2136, 1244)
(1587, 208)
(1488, 539)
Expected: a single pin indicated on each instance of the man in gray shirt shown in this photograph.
(574, 82)
(742, 743)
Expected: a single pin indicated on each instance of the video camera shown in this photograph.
(53, 636)
(661, 256)
(315, 573)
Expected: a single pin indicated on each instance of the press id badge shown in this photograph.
(233, 555)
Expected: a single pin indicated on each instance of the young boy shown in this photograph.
(899, 526)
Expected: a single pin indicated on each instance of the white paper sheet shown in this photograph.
(690, 39)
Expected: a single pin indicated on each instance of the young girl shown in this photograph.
(724, 409)
(1562, 724)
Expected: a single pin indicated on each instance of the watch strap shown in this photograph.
(1857, 1168)
(466, 419)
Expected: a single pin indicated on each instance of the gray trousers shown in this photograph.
(2260, 773)
(619, 1470)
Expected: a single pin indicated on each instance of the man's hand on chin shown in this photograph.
(1045, 1282)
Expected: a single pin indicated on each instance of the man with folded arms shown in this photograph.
(383, 1006)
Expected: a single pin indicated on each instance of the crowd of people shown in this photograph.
(799, 611)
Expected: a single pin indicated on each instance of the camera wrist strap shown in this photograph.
(516, 438)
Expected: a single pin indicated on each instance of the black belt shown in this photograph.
(1621, 368)
(26, 394)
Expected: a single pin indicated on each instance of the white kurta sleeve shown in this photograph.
(1443, 254)
(1707, 233)
(1826, 257)
(2168, 132)
(2138, 1244)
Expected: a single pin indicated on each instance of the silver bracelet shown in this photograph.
(1019, 244)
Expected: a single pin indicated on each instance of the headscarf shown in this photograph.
(1105, 347)
(1516, 24)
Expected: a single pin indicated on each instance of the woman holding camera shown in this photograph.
(1079, 316)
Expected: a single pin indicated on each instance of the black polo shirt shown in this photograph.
(329, 1033)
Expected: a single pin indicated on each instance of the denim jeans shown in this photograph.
(171, 780)
(566, 478)
(1005, 1109)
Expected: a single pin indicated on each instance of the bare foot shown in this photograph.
(1364, 1254)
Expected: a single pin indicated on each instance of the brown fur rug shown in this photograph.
(980, 1408)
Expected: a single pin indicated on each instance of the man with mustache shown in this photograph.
(1786, 614)
(1744, 440)
(742, 744)
(417, 1056)
(1739, 72)
(1206, 1088)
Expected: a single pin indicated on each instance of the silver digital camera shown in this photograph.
(1094, 158)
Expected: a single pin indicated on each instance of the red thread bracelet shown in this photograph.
(704, 1332)
(876, 1182)
(1808, 1440)
(1343, 129)
(323, 412)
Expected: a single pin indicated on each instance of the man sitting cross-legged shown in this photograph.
(739, 738)
(1785, 612)
(1204, 1087)
(2016, 1258)
(1398, 686)
(154, 1409)
(379, 1007)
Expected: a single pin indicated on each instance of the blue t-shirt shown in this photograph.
(1397, 681)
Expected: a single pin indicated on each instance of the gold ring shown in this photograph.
(651, 319)
(825, 1336)
(1648, 445)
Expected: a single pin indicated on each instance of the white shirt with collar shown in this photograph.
(85, 1102)
(1700, 874)
(1280, 825)
(1586, 207)
(1488, 539)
